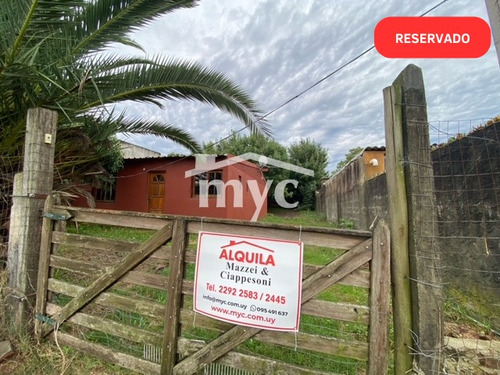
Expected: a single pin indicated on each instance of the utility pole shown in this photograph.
(493, 7)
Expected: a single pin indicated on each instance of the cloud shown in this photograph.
(277, 49)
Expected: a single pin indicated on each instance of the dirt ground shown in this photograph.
(470, 352)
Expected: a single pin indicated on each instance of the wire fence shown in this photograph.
(77, 263)
(9, 166)
(460, 260)
(466, 237)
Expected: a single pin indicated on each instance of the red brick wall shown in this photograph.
(132, 189)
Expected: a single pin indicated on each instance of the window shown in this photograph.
(207, 177)
(107, 191)
(158, 178)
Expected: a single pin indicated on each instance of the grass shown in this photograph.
(109, 232)
(304, 218)
(47, 358)
(303, 358)
(471, 306)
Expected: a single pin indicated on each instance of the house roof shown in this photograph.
(220, 164)
(131, 151)
(375, 148)
(206, 163)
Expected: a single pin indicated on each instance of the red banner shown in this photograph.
(432, 37)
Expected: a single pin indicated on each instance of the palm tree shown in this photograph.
(52, 55)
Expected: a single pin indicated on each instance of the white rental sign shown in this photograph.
(249, 281)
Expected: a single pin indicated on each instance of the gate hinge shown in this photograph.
(45, 319)
(60, 215)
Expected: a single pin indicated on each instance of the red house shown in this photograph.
(187, 185)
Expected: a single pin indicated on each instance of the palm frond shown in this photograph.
(159, 129)
(51, 56)
(106, 21)
(25, 22)
(101, 125)
(171, 79)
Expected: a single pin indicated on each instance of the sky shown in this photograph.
(275, 49)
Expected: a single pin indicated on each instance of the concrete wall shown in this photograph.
(467, 186)
(358, 192)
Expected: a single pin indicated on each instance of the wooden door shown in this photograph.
(156, 192)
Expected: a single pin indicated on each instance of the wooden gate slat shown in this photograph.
(312, 286)
(174, 301)
(215, 349)
(128, 361)
(336, 270)
(347, 268)
(380, 292)
(327, 345)
(111, 327)
(108, 279)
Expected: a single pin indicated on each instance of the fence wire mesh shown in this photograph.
(466, 237)
(9, 166)
(78, 262)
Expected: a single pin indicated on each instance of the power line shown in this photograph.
(316, 83)
(309, 88)
(434, 7)
(334, 72)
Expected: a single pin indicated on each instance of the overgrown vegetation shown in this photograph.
(55, 55)
(472, 306)
(45, 358)
(48, 358)
(305, 153)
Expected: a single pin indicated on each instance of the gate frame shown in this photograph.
(375, 250)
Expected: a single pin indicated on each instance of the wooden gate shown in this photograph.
(130, 302)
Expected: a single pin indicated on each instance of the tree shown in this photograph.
(351, 154)
(237, 144)
(308, 154)
(53, 55)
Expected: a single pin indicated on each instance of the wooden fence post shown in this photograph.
(31, 187)
(174, 297)
(426, 285)
(398, 222)
(380, 292)
(415, 161)
(44, 265)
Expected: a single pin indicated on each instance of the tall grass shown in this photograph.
(44, 358)
(47, 358)
(303, 217)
